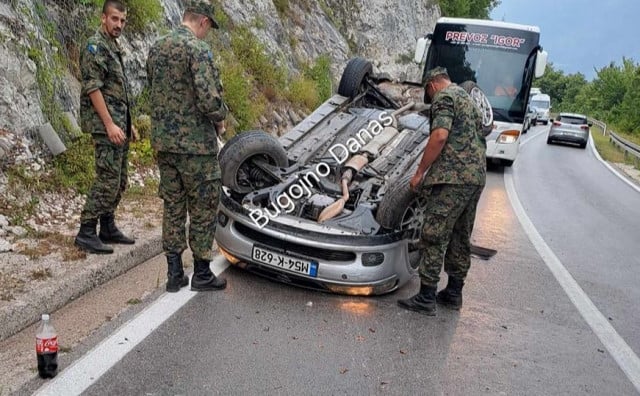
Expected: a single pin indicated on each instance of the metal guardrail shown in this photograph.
(626, 146)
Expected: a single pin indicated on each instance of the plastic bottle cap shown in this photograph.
(45, 316)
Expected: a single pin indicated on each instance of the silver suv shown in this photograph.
(570, 128)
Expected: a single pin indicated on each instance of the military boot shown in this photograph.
(424, 302)
(203, 279)
(87, 239)
(175, 272)
(109, 233)
(451, 296)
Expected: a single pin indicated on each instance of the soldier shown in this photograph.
(455, 157)
(104, 108)
(188, 112)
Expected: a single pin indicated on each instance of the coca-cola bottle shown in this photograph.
(47, 349)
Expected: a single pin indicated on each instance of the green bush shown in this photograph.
(245, 103)
(270, 77)
(142, 13)
(303, 91)
(320, 73)
(75, 168)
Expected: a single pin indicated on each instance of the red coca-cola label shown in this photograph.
(47, 345)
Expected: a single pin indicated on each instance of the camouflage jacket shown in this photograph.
(102, 68)
(463, 159)
(185, 94)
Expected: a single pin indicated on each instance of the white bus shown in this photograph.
(502, 59)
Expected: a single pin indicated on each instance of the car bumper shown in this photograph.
(344, 262)
(568, 138)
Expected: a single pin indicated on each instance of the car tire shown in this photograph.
(549, 141)
(481, 100)
(238, 153)
(545, 122)
(583, 145)
(353, 76)
(506, 163)
(401, 209)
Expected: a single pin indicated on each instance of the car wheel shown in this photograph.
(402, 209)
(506, 162)
(480, 99)
(545, 122)
(239, 156)
(549, 141)
(583, 145)
(353, 77)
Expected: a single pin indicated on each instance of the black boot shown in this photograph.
(451, 296)
(109, 233)
(175, 273)
(203, 279)
(424, 302)
(88, 240)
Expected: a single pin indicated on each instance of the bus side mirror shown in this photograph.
(541, 63)
(421, 48)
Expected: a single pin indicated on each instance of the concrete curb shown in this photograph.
(54, 295)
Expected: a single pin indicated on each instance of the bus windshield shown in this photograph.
(500, 60)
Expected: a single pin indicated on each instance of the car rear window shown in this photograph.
(573, 120)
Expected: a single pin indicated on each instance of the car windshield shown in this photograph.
(572, 120)
(540, 104)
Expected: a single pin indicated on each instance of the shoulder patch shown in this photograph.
(92, 48)
(210, 55)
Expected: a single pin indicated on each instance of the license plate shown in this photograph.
(288, 263)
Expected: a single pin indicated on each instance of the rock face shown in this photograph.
(380, 31)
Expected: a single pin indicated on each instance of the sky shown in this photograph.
(580, 35)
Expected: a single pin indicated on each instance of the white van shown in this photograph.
(542, 105)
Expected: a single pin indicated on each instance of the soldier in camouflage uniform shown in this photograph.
(456, 163)
(188, 113)
(104, 111)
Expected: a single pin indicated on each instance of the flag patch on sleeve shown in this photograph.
(92, 48)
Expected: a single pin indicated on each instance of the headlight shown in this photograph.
(508, 137)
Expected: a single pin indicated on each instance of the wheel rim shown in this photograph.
(413, 217)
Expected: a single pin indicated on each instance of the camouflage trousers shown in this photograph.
(111, 179)
(189, 185)
(449, 216)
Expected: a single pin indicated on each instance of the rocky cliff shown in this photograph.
(39, 41)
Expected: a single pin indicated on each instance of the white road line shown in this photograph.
(87, 370)
(615, 344)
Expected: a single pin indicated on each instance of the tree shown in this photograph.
(479, 9)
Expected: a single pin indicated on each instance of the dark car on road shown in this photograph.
(570, 128)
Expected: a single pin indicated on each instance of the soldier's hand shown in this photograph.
(115, 134)
(415, 182)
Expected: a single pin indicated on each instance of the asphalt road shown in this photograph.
(517, 334)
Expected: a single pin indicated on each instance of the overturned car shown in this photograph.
(327, 206)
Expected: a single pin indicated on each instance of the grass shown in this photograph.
(608, 151)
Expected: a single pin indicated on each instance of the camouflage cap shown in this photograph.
(202, 7)
(436, 71)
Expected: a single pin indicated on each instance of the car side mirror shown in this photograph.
(541, 63)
